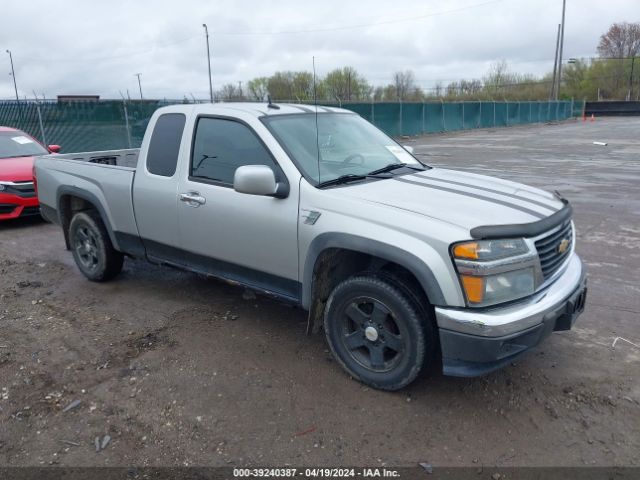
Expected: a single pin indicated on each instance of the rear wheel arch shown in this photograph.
(71, 201)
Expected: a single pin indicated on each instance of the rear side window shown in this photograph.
(221, 146)
(164, 146)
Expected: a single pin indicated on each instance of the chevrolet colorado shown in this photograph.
(403, 266)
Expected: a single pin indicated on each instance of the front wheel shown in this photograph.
(377, 332)
(92, 248)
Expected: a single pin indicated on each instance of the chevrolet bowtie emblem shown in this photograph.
(564, 244)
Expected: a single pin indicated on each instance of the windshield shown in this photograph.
(19, 144)
(348, 145)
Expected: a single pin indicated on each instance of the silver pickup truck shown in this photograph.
(402, 265)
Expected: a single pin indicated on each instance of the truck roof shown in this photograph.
(257, 109)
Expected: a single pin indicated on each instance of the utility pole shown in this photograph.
(139, 83)
(552, 94)
(206, 31)
(13, 74)
(564, 6)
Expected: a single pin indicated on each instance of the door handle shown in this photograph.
(193, 199)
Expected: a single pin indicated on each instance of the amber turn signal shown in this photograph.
(473, 288)
(466, 250)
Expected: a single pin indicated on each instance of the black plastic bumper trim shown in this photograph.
(465, 355)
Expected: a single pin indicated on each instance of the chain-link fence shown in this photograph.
(112, 124)
(81, 126)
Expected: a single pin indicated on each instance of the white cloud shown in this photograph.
(74, 46)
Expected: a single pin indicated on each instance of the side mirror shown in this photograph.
(408, 148)
(54, 148)
(258, 180)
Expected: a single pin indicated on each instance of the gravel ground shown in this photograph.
(180, 370)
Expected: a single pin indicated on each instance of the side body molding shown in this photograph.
(372, 247)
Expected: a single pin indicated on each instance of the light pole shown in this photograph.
(139, 83)
(564, 6)
(552, 95)
(206, 32)
(13, 74)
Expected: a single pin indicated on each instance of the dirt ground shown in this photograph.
(181, 370)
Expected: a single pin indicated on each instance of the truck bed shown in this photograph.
(103, 178)
(119, 158)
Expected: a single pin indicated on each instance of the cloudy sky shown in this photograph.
(90, 47)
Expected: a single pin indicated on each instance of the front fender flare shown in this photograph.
(346, 241)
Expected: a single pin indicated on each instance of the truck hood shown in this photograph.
(464, 199)
(16, 169)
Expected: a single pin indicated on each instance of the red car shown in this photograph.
(17, 193)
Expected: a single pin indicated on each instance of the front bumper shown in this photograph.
(475, 342)
(14, 206)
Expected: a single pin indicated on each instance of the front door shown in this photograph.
(247, 238)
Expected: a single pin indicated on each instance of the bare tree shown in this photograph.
(404, 83)
(229, 92)
(621, 40)
(497, 78)
(438, 89)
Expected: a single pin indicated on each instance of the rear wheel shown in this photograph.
(377, 332)
(92, 248)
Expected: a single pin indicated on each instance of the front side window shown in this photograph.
(331, 145)
(162, 156)
(221, 146)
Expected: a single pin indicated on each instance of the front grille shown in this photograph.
(7, 208)
(22, 189)
(551, 258)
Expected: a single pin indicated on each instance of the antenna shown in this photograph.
(271, 105)
(315, 103)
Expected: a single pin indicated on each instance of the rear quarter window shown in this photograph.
(162, 156)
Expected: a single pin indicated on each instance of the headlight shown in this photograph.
(490, 249)
(495, 271)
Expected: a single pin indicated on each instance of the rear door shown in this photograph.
(155, 197)
(248, 238)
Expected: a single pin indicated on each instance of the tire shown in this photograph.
(377, 332)
(92, 248)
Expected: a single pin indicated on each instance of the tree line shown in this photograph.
(614, 74)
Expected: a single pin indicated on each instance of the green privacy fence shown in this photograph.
(110, 124)
(418, 118)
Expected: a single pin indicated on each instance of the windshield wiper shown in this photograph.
(350, 177)
(393, 166)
